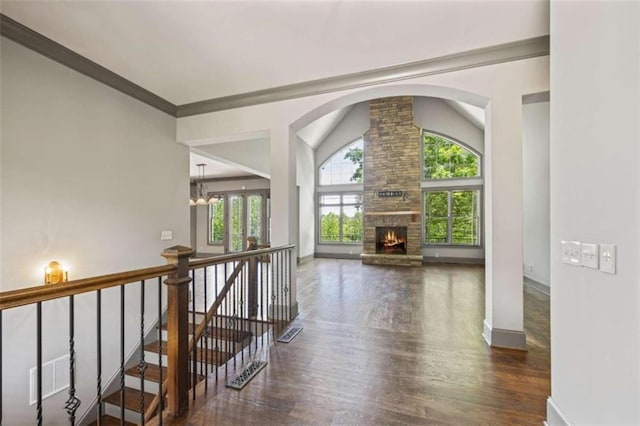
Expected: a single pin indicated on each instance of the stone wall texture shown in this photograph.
(392, 162)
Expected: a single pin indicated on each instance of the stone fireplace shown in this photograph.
(392, 174)
(391, 240)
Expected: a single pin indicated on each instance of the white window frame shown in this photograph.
(341, 205)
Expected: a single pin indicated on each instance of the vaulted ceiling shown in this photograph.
(189, 51)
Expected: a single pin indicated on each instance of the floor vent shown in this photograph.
(247, 373)
(288, 335)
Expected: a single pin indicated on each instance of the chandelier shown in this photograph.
(201, 199)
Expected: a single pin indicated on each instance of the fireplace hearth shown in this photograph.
(391, 240)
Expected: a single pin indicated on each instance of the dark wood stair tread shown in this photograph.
(220, 357)
(107, 420)
(153, 373)
(131, 399)
(222, 333)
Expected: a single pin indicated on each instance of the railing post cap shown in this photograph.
(177, 251)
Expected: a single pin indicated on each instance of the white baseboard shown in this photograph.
(499, 338)
(554, 415)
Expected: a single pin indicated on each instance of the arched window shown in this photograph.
(451, 201)
(446, 159)
(345, 166)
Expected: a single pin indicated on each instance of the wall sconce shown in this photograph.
(55, 273)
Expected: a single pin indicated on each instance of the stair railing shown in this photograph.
(255, 299)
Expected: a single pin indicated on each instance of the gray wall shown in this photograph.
(251, 155)
(535, 171)
(90, 177)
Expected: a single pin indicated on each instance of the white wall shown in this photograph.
(352, 126)
(236, 154)
(90, 177)
(595, 193)
(306, 184)
(435, 115)
(535, 180)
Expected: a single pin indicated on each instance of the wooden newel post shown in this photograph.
(178, 329)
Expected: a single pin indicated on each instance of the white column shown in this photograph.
(284, 205)
(503, 324)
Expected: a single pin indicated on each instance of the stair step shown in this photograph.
(153, 373)
(222, 333)
(131, 399)
(107, 420)
(203, 354)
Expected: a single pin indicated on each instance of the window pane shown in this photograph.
(436, 203)
(444, 159)
(351, 224)
(254, 216)
(330, 199)
(216, 216)
(329, 224)
(236, 242)
(436, 220)
(352, 199)
(465, 217)
(343, 167)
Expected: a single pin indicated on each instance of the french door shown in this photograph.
(246, 216)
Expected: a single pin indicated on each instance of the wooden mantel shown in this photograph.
(413, 213)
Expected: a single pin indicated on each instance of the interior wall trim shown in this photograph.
(35, 41)
(536, 97)
(499, 338)
(523, 49)
(554, 416)
(519, 50)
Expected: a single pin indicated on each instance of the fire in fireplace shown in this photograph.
(391, 240)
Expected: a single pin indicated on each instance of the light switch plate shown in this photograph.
(589, 255)
(166, 235)
(571, 253)
(608, 258)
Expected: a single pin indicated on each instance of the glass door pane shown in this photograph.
(236, 237)
(254, 217)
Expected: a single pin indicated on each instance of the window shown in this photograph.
(451, 207)
(216, 228)
(238, 215)
(340, 218)
(445, 159)
(452, 217)
(343, 167)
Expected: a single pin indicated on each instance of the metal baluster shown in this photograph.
(142, 365)
(194, 366)
(39, 361)
(1, 367)
(216, 321)
(243, 283)
(73, 402)
(99, 354)
(160, 396)
(226, 322)
(206, 334)
(262, 285)
(234, 306)
(288, 283)
(122, 355)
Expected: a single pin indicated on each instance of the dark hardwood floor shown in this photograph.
(391, 345)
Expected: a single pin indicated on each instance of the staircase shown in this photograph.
(228, 341)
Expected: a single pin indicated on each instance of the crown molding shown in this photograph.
(35, 41)
(524, 49)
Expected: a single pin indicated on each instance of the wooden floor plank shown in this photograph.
(391, 345)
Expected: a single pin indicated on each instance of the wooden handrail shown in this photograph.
(27, 296)
(224, 258)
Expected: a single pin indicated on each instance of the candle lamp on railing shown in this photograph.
(55, 273)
